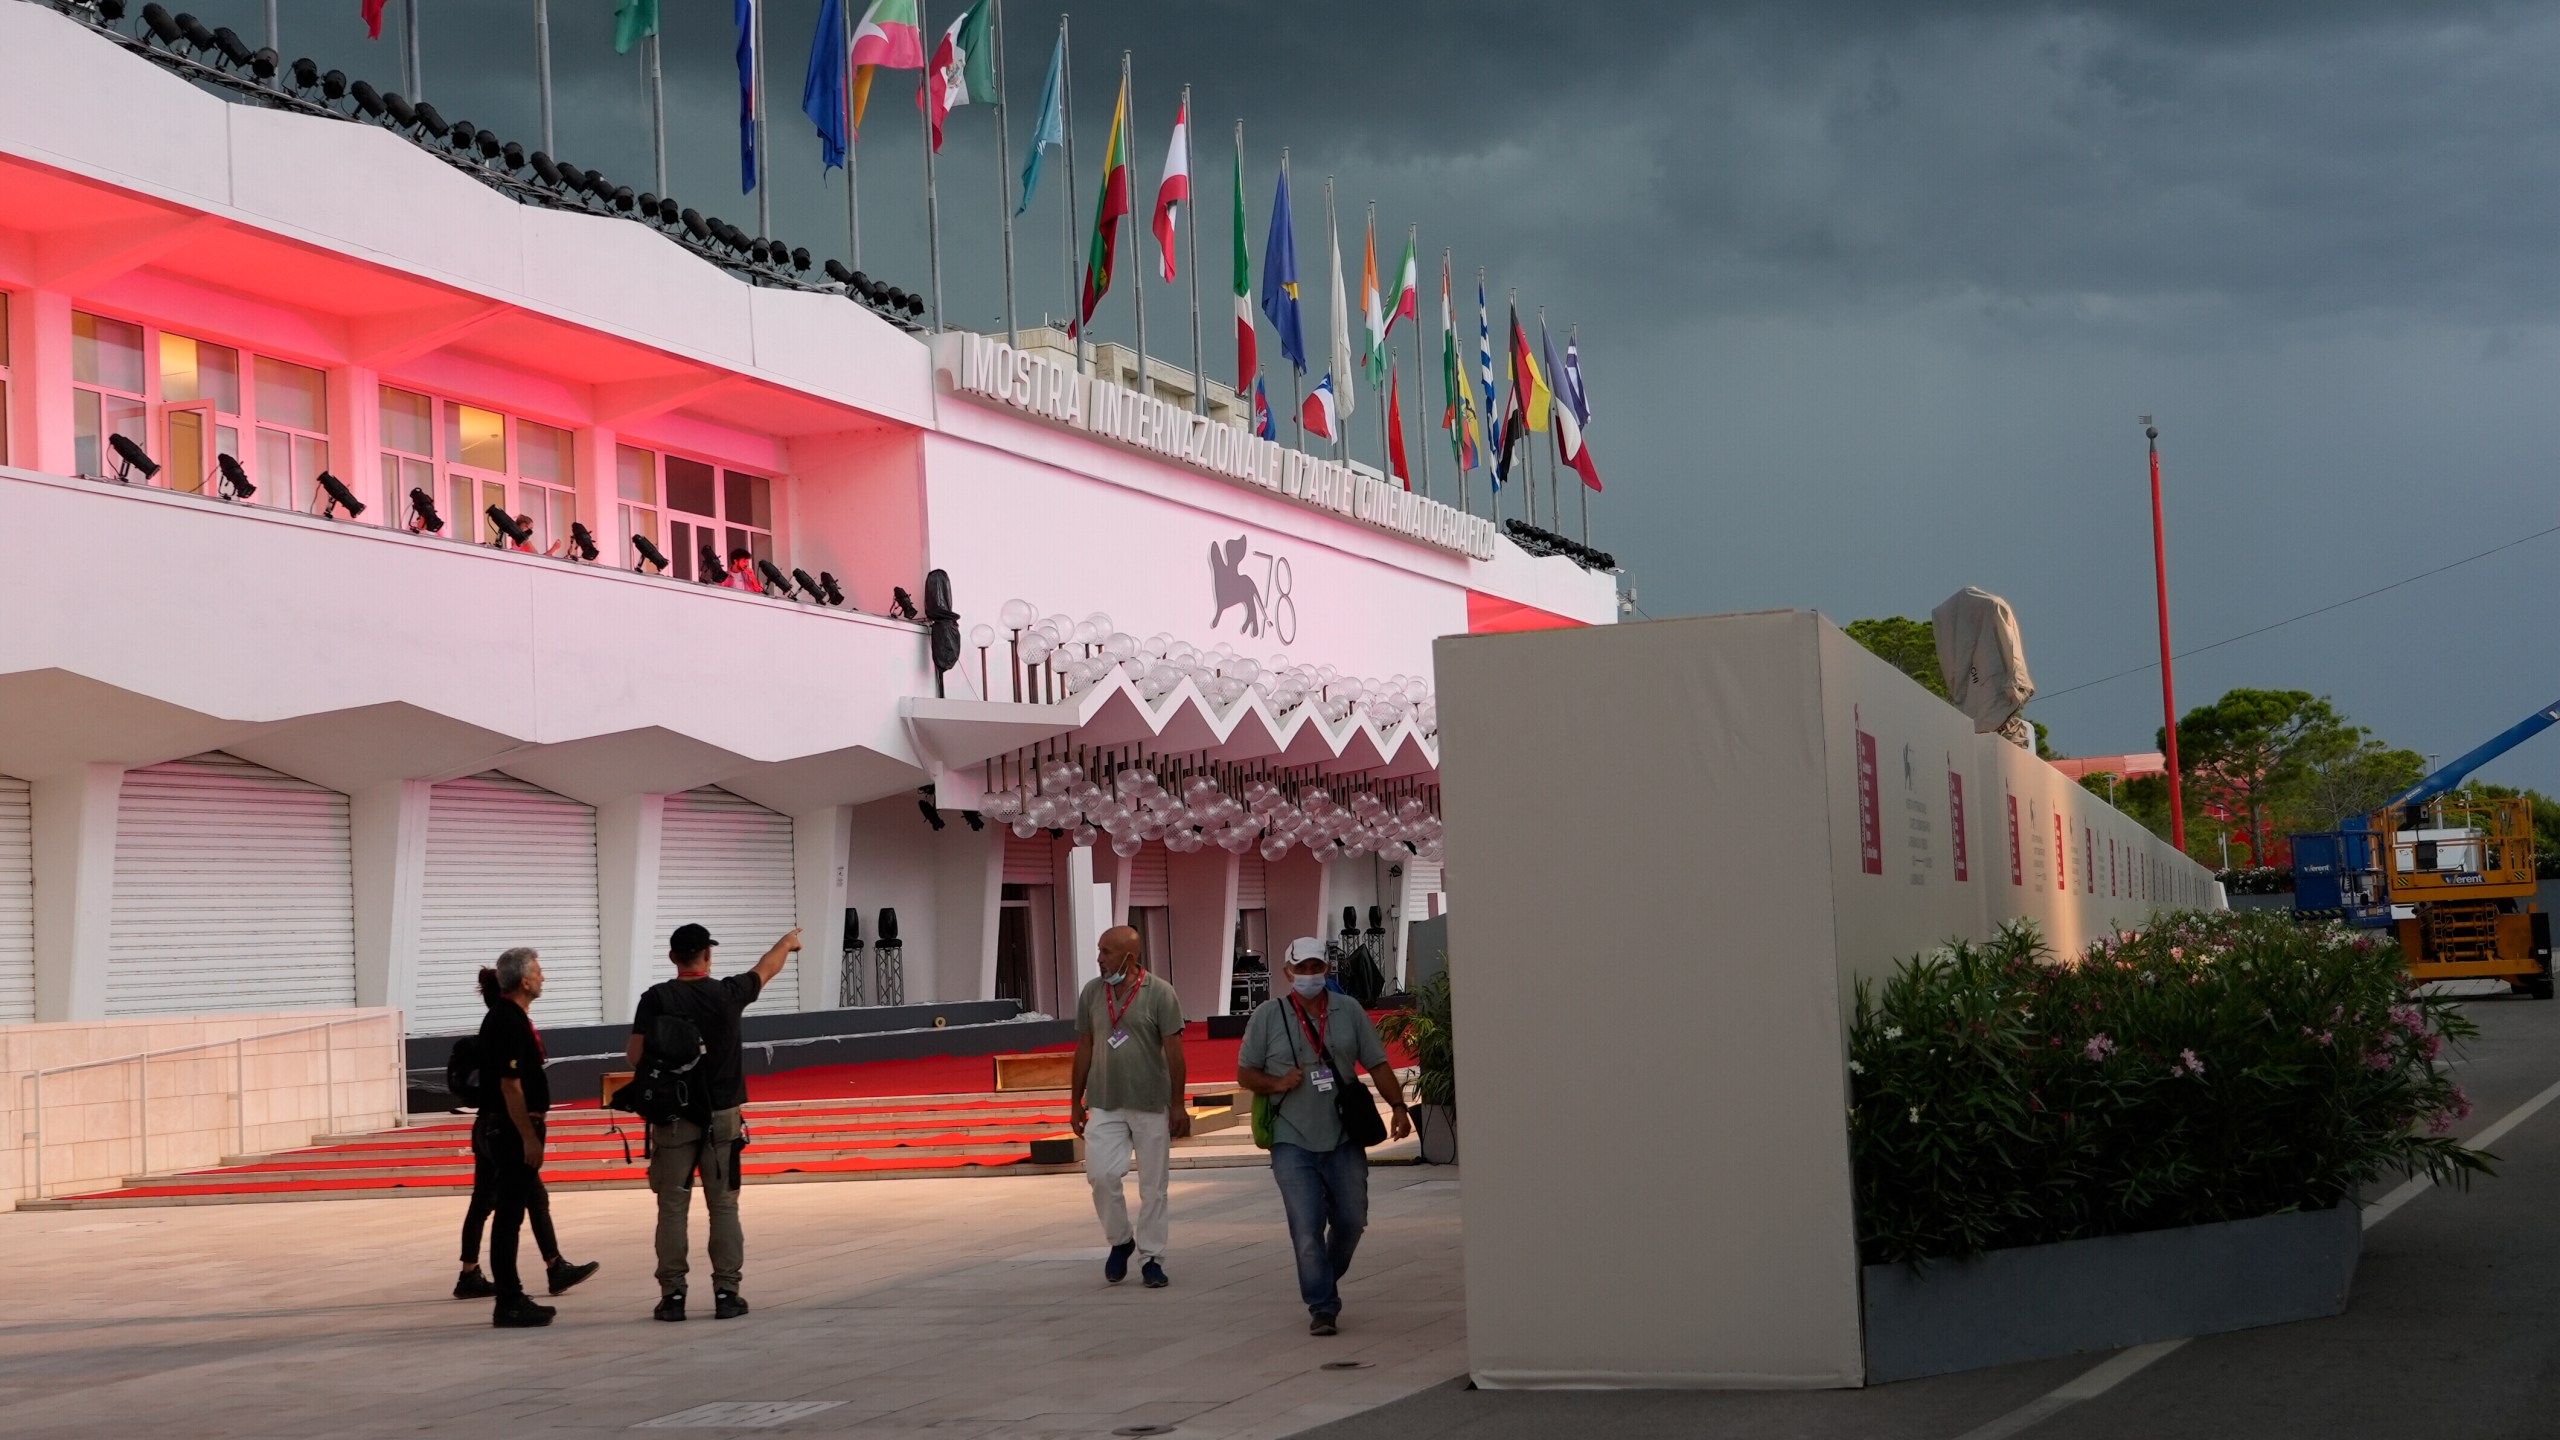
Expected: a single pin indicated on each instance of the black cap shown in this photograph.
(689, 941)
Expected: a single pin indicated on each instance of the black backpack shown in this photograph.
(668, 1083)
(462, 1071)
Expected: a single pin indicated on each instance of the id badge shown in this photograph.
(1323, 1081)
(1118, 1039)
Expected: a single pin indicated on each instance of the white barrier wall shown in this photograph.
(1654, 976)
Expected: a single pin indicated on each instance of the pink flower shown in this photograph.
(2098, 1048)
(2188, 1059)
(2177, 953)
(2326, 1037)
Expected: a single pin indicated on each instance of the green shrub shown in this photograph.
(1424, 1032)
(2216, 1067)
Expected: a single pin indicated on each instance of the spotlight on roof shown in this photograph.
(197, 35)
(694, 224)
(397, 106)
(544, 167)
(131, 457)
(265, 63)
(800, 259)
(156, 19)
(667, 211)
(433, 119)
(233, 48)
(583, 540)
(622, 199)
(306, 72)
(333, 85)
(650, 555)
(335, 496)
(368, 99)
(839, 274)
(422, 512)
(465, 135)
(775, 582)
(808, 586)
(234, 484)
(491, 147)
(513, 154)
(508, 525)
(901, 604)
(110, 10)
(915, 305)
(835, 596)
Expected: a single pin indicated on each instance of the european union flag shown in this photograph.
(1280, 279)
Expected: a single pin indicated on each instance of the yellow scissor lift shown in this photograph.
(2465, 869)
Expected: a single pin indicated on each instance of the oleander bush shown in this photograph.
(2215, 1067)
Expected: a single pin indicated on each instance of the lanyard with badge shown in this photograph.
(1137, 982)
(1322, 1075)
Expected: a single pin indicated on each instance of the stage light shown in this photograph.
(915, 305)
(512, 153)
(508, 525)
(808, 586)
(234, 49)
(835, 596)
(234, 481)
(901, 604)
(668, 214)
(709, 569)
(368, 99)
(976, 820)
(491, 147)
(306, 72)
(694, 224)
(131, 457)
(862, 284)
(583, 541)
(397, 106)
(333, 86)
(775, 582)
(931, 815)
(544, 167)
(422, 511)
(800, 259)
(839, 274)
(465, 135)
(650, 554)
(433, 119)
(649, 203)
(111, 10)
(197, 35)
(335, 496)
(622, 199)
(265, 63)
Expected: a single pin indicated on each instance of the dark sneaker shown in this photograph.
(515, 1312)
(474, 1286)
(670, 1307)
(727, 1305)
(1320, 1325)
(1153, 1273)
(1116, 1268)
(565, 1275)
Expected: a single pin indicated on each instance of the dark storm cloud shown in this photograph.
(1870, 292)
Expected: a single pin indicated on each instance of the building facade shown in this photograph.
(262, 752)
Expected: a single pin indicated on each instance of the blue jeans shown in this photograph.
(1326, 1195)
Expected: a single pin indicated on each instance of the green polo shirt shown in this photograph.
(1129, 1076)
(1274, 1041)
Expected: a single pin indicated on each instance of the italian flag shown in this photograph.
(1176, 187)
(1109, 210)
(963, 69)
(887, 36)
(1248, 361)
(1401, 304)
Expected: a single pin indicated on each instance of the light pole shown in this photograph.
(2168, 671)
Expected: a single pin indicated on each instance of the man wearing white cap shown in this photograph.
(1298, 1049)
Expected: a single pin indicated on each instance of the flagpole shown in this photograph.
(1555, 494)
(1412, 236)
(275, 34)
(1492, 462)
(1067, 201)
(1137, 245)
(932, 198)
(852, 147)
(1573, 337)
(1386, 462)
(764, 152)
(1297, 376)
(1191, 258)
(1458, 412)
(542, 62)
(1341, 436)
(409, 41)
(658, 119)
(1511, 341)
(1004, 174)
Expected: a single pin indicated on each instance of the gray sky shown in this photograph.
(1870, 293)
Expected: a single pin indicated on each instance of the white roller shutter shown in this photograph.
(1251, 890)
(728, 865)
(508, 864)
(234, 890)
(1148, 882)
(1029, 862)
(1421, 881)
(17, 906)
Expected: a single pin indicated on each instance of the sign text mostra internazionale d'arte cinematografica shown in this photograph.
(990, 369)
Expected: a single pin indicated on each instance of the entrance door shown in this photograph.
(508, 864)
(1013, 946)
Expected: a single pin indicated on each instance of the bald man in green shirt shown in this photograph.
(1129, 1067)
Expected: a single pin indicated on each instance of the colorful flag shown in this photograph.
(1262, 422)
(1248, 356)
(1573, 411)
(822, 94)
(633, 21)
(1402, 303)
(1457, 414)
(1175, 189)
(373, 19)
(1280, 278)
(1318, 411)
(744, 12)
(1338, 352)
(1373, 360)
(1533, 405)
(1052, 126)
(1484, 364)
(1396, 465)
(1109, 209)
(887, 38)
(963, 70)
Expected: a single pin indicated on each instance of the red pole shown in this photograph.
(2168, 672)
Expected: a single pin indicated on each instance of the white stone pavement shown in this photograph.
(943, 1308)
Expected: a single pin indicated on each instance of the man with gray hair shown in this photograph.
(507, 1135)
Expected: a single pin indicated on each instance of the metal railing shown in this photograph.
(238, 1046)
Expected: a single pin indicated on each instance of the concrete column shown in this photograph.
(389, 825)
(1113, 872)
(355, 438)
(968, 894)
(593, 464)
(40, 381)
(75, 874)
(1201, 889)
(822, 851)
(1079, 924)
(628, 831)
(1295, 885)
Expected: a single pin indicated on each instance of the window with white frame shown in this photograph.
(188, 401)
(408, 454)
(199, 411)
(635, 486)
(293, 430)
(109, 393)
(4, 377)
(710, 514)
(469, 459)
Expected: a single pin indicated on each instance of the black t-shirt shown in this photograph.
(714, 1007)
(511, 1049)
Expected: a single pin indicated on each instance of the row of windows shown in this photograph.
(464, 458)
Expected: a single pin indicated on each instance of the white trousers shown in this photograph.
(1111, 1139)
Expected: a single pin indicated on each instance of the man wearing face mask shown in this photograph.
(1129, 1066)
(1297, 1048)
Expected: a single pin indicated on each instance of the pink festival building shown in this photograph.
(259, 752)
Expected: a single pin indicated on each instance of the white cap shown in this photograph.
(1304, 949)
